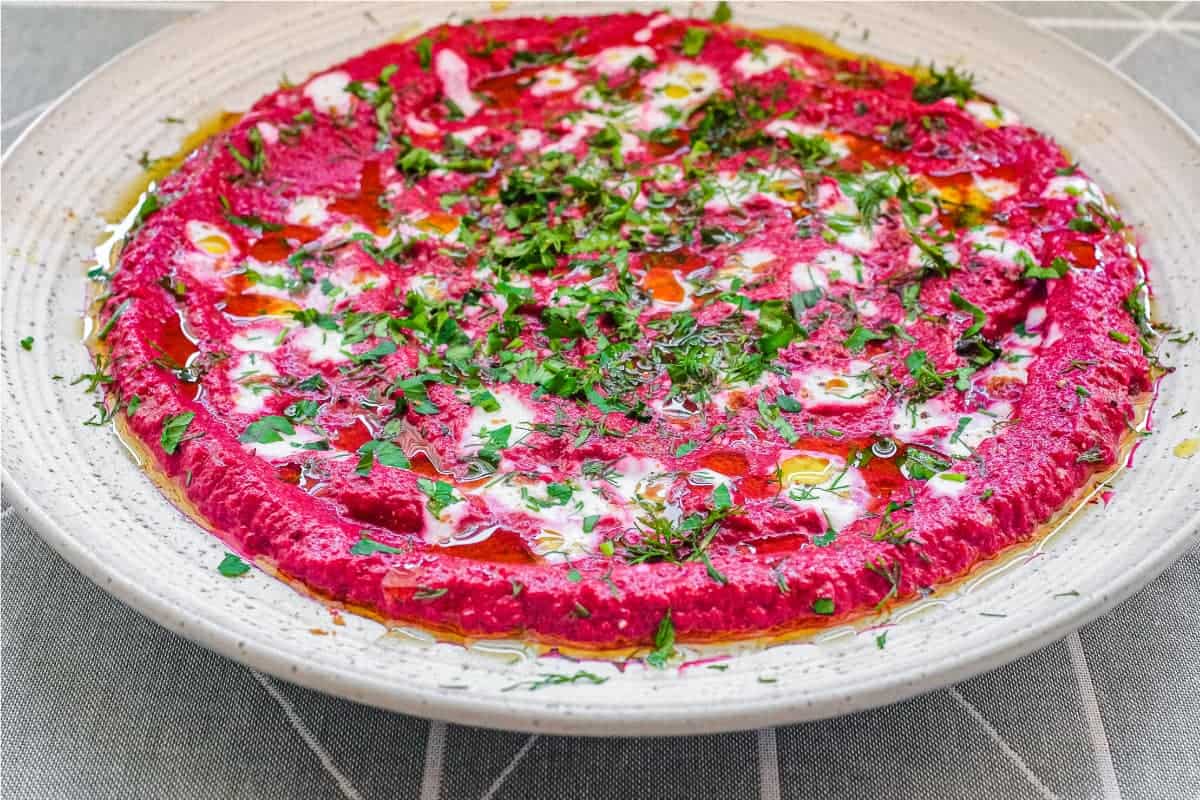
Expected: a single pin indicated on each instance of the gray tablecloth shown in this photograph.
(98, 702)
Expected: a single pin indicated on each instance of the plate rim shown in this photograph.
(557, 717)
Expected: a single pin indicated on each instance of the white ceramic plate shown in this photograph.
(83, 493)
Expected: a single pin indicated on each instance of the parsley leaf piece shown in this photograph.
(978, 315)
(693, 41)
(174, 429)
(720, 497)
(267, 430)
(27, 343)
(440, 494)
(788, 403)
(723, 13)
(313, 383)
(686, 447)
(231, 566)
(150, 203)
(802, 301)
(823, 606)
(384, 348)
(769, 414)
(825, 539)
(425, 52)
(922, 465)
(928, 381)
(664, 643)
(383, 452)
(858, 338)
(366, 546)
(938, 85)
(256, 162)
(1058, 268)
(254, 223)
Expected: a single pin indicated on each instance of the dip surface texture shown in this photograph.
(599, 331)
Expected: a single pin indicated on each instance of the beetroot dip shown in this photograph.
(605, 331)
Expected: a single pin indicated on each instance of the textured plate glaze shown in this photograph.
(79, 488)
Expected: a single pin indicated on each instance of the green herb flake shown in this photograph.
(267, 430)
(1057, 269)
(789, 404)
(664, 643)
(921, 465)
(686, 447)
(377, 451)
(823, 606)
(231, 566)
(720, 497)
(440, 494)
(174, 429)
(939, 85)
(858, 338)
(542, 682)
(27, 343)
(978, 315)
(425, 52)
(366, 546)
(693, 41)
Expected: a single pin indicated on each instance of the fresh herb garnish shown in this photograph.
(267, 430)
(231, 566)
(174, 429)
(941, 84)
(823, 606)
(693, 41)
(542, 682)
(664, 643)
(380, 452)
(440, 494)
(255, 164)
(366, 546)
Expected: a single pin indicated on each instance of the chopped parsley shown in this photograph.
(267, 430)
(375, 452)
(664, 643)
(582, 676)
(693, 41)
(1057, 269)
(441, 495)
(174, 431)
(823, 606)
(231, 566)
(938, 85)
(366, 546)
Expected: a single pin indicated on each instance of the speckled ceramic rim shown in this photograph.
(96, 509)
